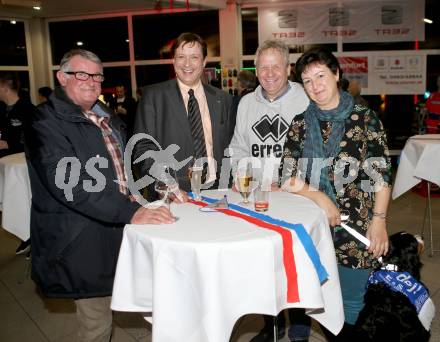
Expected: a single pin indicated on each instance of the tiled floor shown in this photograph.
(26, 316)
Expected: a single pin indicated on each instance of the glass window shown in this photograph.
(397, 119)
(153, 34)
(432, 31)
(107, 37)
(249, 64)
(249, 23)
(12, 43)
(23, 78)
(117, 75)
(432, 72)
(400, 115)
(397, 115)
(150, 74)
(113, 76)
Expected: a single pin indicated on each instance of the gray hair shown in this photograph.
(275, 44)
(65, 61)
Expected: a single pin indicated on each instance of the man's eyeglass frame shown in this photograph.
(84, 76)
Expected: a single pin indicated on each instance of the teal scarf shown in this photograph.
(314, 146)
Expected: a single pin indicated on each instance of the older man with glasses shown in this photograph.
(80, 203)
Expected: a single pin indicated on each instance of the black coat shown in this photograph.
(12, 125)
(75, 243)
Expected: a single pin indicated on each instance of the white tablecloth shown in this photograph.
(200, 274)
(420, 159)
(15, 195)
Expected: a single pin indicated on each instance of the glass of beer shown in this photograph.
(195, 172)
(243, 182)
(166, 185)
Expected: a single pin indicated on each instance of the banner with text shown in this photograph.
(397, 73)
(355, 68)
(354, 21)
(391, 73)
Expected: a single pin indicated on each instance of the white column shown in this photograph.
(37, 57)
(230, 35)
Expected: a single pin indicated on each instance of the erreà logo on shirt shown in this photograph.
(275, 127)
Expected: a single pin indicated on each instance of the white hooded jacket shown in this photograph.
(262, 126)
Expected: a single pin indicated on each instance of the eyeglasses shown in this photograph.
(84, 76)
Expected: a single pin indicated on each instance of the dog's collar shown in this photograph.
(390, 267)
(410, 287)
(402, 282)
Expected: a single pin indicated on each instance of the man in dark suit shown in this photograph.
(166, 112)
(125, 107)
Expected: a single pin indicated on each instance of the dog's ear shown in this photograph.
(404, 253)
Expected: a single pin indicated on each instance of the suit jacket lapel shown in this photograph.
(215, 112)
(178, 108)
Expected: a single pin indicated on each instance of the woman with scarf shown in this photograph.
(336, 155)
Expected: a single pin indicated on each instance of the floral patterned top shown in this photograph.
(364, 138)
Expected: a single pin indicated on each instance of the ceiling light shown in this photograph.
(37, 8)
(24, 3)
(428, 21)
(79, 43)
(13, 22)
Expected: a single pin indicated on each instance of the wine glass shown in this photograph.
(243, 182)
(162, 189)
(166, 184)
(195, 172)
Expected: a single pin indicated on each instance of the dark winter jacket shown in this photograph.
(75, 234)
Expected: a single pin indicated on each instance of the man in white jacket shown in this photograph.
(264, 116)
(263, 119)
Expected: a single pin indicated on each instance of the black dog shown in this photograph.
(388, 314)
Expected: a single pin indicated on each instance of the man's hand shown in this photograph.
(274, 187)
(158, 215)
(121, 110)
(3, 145)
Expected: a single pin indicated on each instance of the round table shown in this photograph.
(15, 195)
(419, 160)
(199, 275)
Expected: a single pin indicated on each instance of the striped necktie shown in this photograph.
(195, 122)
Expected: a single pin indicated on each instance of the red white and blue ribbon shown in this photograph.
(283, 228)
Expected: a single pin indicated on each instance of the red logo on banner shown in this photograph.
(353, 65)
